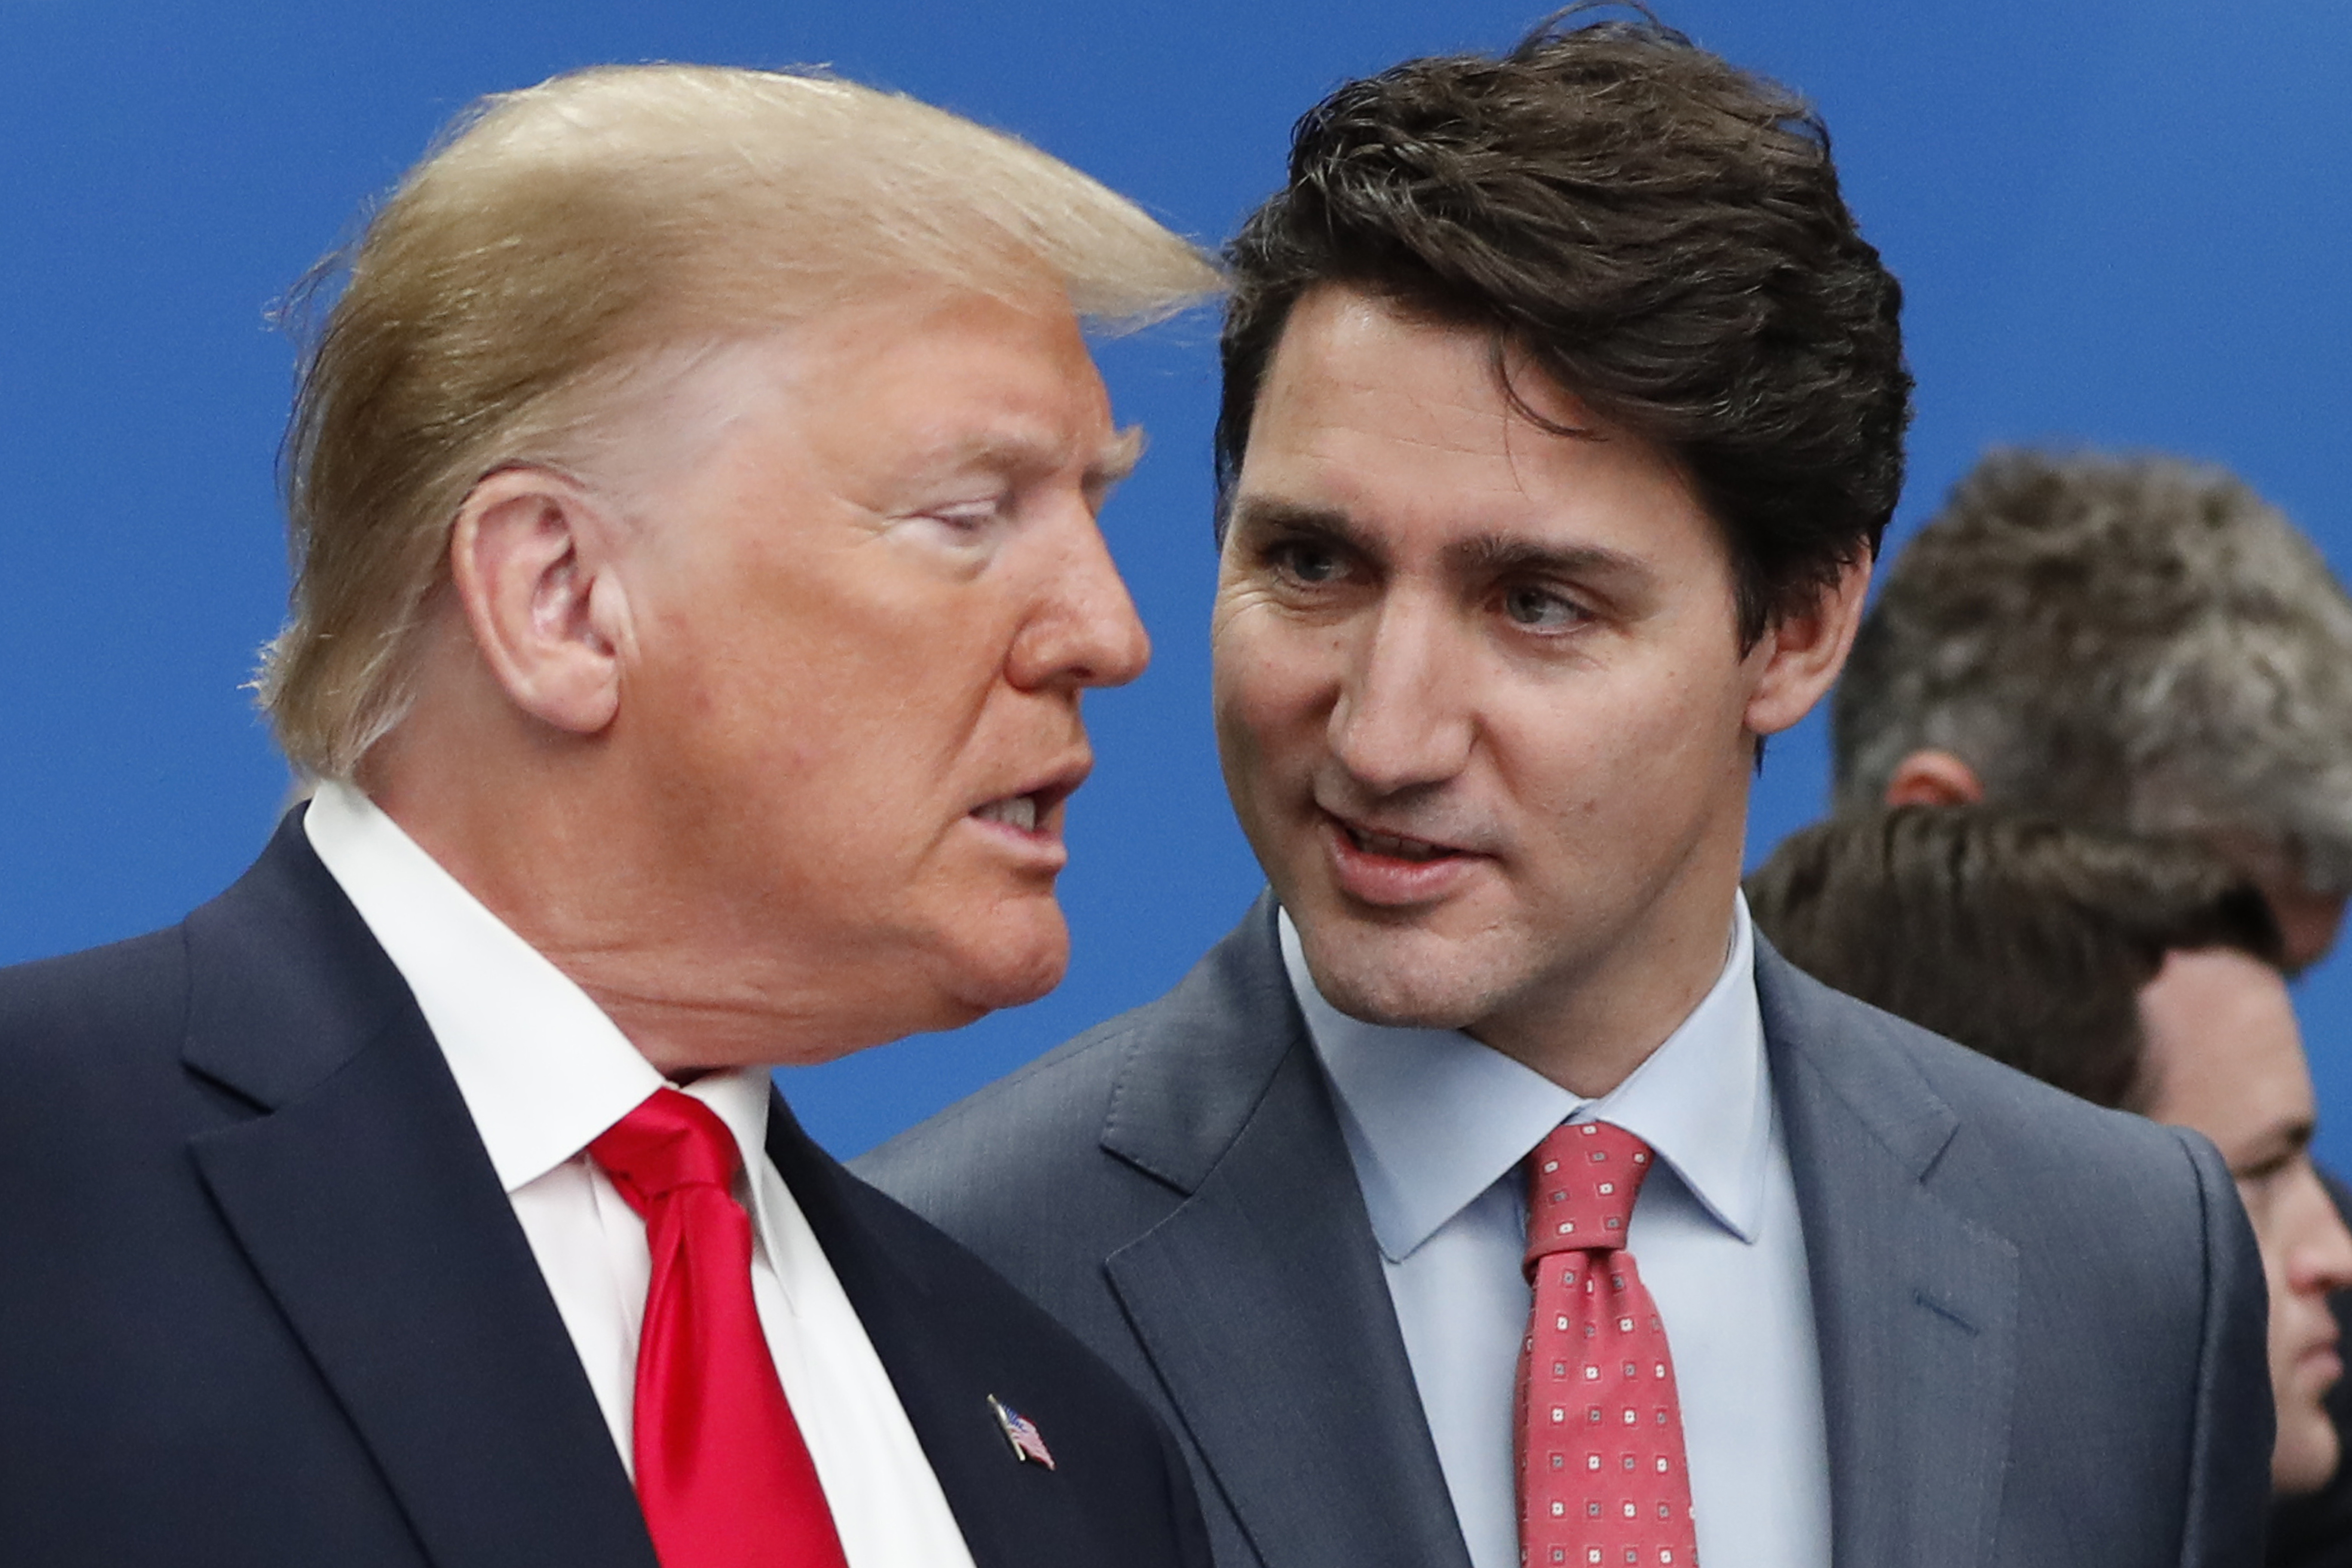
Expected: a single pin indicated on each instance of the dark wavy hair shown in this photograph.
(2018, 937)
(1656, 230)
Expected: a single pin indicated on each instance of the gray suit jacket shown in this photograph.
(2042, 1324)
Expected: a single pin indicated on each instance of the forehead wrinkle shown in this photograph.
(1492, 437)
(1413, 436)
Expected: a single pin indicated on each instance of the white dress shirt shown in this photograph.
(1439, 1126)
(543, 1072)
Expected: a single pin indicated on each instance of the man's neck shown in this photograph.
(605, 911)
(1596, 1023)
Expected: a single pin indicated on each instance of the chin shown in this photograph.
(2306, 1455)
(1022, 960)
(1441, 969)
(1400, 990)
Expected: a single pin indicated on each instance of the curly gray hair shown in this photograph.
(2138, 643)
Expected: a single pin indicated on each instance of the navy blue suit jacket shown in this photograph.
(264, 1304)
(2040, 1324)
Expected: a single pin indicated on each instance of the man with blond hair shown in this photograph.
(693, 499)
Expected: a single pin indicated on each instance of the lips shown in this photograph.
(1396, 845)
(1379, 867)
(1014, 811)
(1032, 812)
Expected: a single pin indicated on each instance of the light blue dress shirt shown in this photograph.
(1439, 1125)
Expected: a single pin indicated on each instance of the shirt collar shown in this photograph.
(1433, 1118)
(542, 1069)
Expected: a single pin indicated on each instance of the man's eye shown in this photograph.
(2264, 1174)
(1303, 562)
(966, 520)
(1540, 609)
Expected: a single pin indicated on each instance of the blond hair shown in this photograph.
(558, 236)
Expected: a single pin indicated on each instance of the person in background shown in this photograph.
(694, 495)
(1490, 1196)
(2139, 973)
(2135, 643)
(2140, 644)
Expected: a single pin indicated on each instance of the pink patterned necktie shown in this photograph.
(1603, 1480)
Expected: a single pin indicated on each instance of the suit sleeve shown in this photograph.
(2230, 1452)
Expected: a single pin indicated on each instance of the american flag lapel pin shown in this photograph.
(1028, 1444)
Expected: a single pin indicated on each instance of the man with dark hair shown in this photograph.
(2141, 974)
(1563, 410)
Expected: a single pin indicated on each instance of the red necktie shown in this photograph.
(722, 1473)
(1603, 1480)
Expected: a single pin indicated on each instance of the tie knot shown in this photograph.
(1581, 1183)
(671, 1140)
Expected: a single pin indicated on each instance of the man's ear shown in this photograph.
(1934, 778)
(532, 559)
(1803, 650)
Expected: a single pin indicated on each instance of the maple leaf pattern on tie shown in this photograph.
(1603, 1480)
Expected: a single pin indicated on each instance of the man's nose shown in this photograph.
(1084, 631)
(1402, 717)
(2320, 1257)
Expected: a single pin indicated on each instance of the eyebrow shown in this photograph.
(1116, 460)
(2283, 1143)
(1014, 454)
(1263, 514)
(1483, 554)
(1497, 555)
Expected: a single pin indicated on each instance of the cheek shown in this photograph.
(1246, 755)
(1615, 795)
(812, 736)
(1266, 692)
(1684, 739)
(2287, 1307)
(1637, 755)
(852, 675)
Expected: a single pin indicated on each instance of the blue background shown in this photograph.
(2123, 224)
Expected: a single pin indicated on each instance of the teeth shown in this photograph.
(1398, 848)
(1018, 811)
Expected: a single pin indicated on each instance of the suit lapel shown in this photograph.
(364, 1201)
(915, 1339)
(1260, 1300)
(947, 1363)
(1916, 1305)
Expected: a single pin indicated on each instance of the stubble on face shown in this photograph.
(1479, 696)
